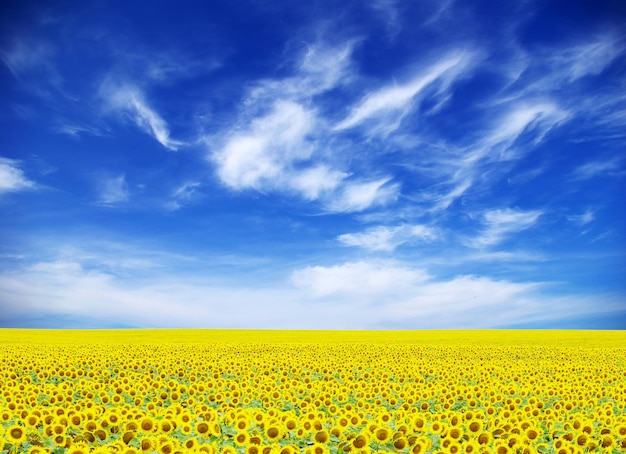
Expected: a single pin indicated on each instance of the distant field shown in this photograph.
(229, 391)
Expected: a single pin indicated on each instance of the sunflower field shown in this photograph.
(285, 392)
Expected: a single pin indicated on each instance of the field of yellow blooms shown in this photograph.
(219, 391)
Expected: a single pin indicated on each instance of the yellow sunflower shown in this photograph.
(146, 425)
(241, 439)
(322, 437)
(273, 433)
(78, 448)
(382, 434)
(16, 434)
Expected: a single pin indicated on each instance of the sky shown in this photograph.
(378, 164)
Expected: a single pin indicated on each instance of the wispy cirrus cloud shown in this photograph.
(112, 190)
(382, 110)
(583, 59)
(582, 219)
(129, 101)
(358, 196)
(319, 68)
(389, 12)
(593, 169)
(12, 178)
(183, 195)
(457, 168)
(388, 238)
(24, 56)
(544, 96)
(499, 224)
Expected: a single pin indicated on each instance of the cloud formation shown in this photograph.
(350, 295)
(401, 296)
(382, 110)
(129, 102)
(12, 178)
(112, 190)
(498, 224)
(183, 195)
(265, 154)
(387, 239)
(280, 144)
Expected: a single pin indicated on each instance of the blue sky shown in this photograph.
(249, 164)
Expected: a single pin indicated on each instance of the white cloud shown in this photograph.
(543, 97)
(66, 289)
(597, 168)
(351, 295)
(396, 100)
(313, 182)
(259, 156)
(517, 130)
(388, 11)
(128, 100)
(442, 201)
(276, 153)
(502, 142)
(359, 196)
(75, 130)
(12, 178)
(380, 294)
(501, 223)
(540, 117)
(586, 59)
(357, 278)
(26, 55)
(281, 144)
(384, 238)
(322, 69)
(504, 256)
(582, 219)
(112, 190)
(319, 69)
(274, 144)
(183, 195)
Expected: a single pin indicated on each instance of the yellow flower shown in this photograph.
(360, 441)
(382, 434)
(322, 437)
(78, 448)
(273, 433)
(147, 425)
(190, 444)
(471, 447)
(400, 443)
(147, 444)
(241, 439)
(16, 434)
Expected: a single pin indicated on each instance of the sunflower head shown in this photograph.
(16, 434)
(400, 443)
(382, 434)
(241, 439)
(78, 448)
(322, 437)
(272, 433)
